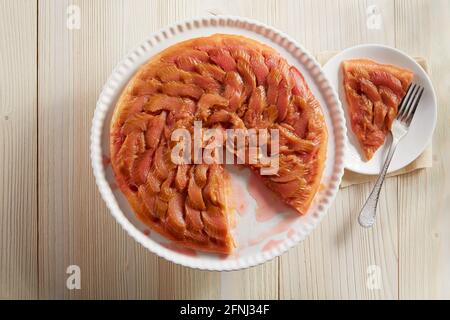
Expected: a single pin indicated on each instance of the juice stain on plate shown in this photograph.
(237, 201)
(290, 233)
(177, 248)
(271, 244)
(234, 255)
(106, 160)
(280, 227)
(267, 203)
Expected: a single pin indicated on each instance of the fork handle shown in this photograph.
(367, 214)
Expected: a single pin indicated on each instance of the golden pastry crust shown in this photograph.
(226, 81)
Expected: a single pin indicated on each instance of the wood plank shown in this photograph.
(74, 226)
(334, 261)
(18, 169)
(260, 282)
(424, 196)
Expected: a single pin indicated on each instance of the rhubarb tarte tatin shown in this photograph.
(374, 92)
(226, 82)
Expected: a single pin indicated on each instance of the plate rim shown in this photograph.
(428, 80)
(105, 102)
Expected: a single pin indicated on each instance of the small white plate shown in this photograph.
(421, 129)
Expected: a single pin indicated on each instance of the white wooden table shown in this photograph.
(52, 216)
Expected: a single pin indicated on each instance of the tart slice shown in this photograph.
(374, 92)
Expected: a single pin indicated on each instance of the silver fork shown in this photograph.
(399, 128)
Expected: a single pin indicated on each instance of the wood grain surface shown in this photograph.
(18, 150)
(52, 215)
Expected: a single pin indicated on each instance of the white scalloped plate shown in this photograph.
(259, 237)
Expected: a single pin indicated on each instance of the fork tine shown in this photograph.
(405, 101)
(410, 114)
(410, 104)
(402, 103)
